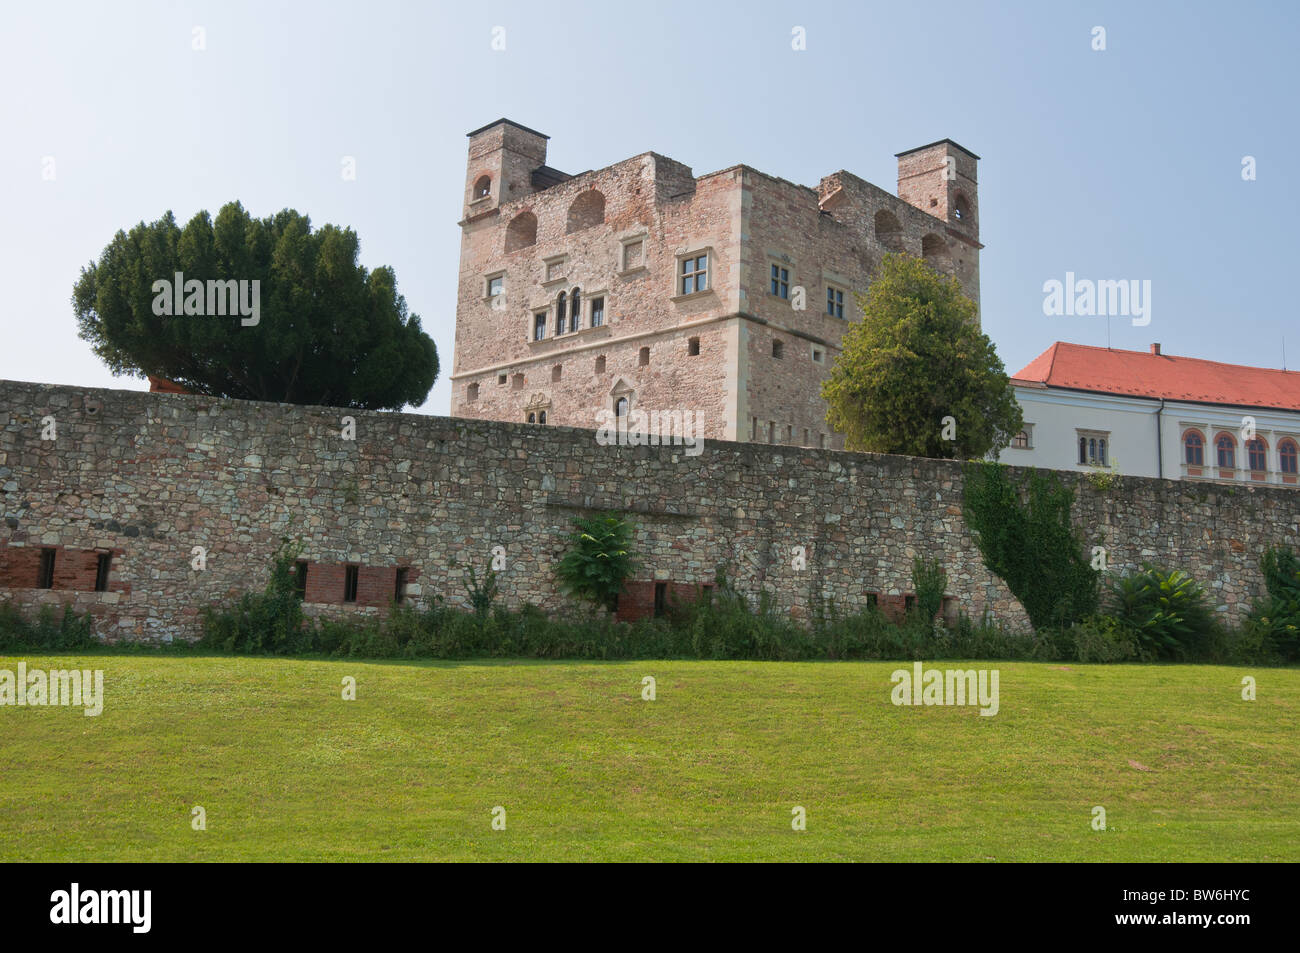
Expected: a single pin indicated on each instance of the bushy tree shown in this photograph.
(600, 559)
(916, 357)
(327, 331)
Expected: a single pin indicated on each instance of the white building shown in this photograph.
(1156, 415)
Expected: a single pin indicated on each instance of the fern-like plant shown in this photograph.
(599, 560)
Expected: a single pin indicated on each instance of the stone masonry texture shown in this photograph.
(149, 476)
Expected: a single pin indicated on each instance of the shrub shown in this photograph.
(1026, 538)
(600, 559)
(1165, 611)
(483, 595)
(929, 582)
(1100, 638)
(1274, 621)
(269, 621)
(71, 630)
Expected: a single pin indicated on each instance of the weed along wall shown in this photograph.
(142, 508)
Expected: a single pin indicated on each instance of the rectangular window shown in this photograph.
(399, 591)
(693, 347)
(817, 355)
(539, 326)
(496, 285)
(1093, 446)
(771, 431)
(695, 274)
(835, 302)
(753, 430)
(780, 281)
(45, 578)
(597, 312)
(822, 437)
(350, 574)
(778, 350)
(873, 600)
(300, 579)
(103, 565)
(661, 598)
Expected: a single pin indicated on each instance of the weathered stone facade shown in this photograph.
(749, 362)
(149, 476)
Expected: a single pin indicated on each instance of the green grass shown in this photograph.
(586, 770)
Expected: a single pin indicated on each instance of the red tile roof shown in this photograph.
(1143, 374)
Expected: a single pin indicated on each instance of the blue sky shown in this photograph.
(1120, 164)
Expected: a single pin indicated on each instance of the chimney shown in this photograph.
(1155, 349)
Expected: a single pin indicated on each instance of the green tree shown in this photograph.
(599, 561)
(327, 330)
(916, 357)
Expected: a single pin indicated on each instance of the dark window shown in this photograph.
(620, 407)
(1194, 444)
(495, 286)
(909, 603)
(873, 599)
(483, 187)
(661, 598)
(532, 418)
(835, 302)
(575, 310)
(300, 578)
(597, 312)
(693, 347)
(399, 592)
(560, 313)
(778, 350)
(1227, 449)
(644, 359)
(350, 583)
(501, 378)
(1021, 440)
(1287, 456)
(695, 274)
(780, 281)
(103, 565)
(539, 326)
(541, 417)
(1257, 454)
(45, 579)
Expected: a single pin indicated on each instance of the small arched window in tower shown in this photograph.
(561, 315)
(575, 310)
(620, 407)
(483, 187)
(961, 209)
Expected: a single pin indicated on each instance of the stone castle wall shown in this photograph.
(148, 477)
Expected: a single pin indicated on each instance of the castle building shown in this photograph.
(1150, 414)
(642, 287)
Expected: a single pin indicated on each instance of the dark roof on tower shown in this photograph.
(898, 155)
(508, 122)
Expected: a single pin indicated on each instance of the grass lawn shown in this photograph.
(586, 770)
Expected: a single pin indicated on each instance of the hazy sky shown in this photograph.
(1119, 164)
